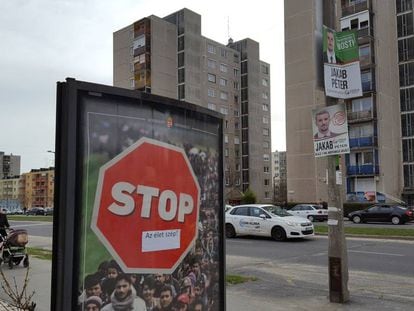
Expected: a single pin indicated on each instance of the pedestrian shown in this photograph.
(4, 223)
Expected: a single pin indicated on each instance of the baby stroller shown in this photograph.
(13, 248)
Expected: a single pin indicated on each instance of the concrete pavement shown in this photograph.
(287, 286)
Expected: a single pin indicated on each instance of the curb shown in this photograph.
(381, 237)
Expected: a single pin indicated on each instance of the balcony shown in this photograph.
(356, 7)
(357, 116)
(367, 169)
(360, 142)
(368, 86)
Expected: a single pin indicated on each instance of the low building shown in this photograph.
(38, 188)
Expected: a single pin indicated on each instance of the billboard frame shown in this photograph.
(68, 181)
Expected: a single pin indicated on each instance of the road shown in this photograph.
(34, 228)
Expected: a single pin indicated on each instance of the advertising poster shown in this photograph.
(330, 131)
(149, 215)
(341, 64)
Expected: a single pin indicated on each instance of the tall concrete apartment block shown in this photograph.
(375, 160)
(405, 33)
(9, 165)
(170, 57)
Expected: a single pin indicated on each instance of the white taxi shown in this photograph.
(266, 220)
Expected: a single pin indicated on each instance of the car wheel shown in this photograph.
(356, 219)
(395, 220)
(278, 234)
(311, 218)
(230, 232)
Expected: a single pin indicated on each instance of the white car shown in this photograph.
(266, 220)
(310, 211)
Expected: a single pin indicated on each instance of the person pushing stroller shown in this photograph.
(4, 224)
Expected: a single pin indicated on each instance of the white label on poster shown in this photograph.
(343, 81)
(160, 240)
(338, 177)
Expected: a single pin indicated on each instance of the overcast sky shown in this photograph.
(45, 41)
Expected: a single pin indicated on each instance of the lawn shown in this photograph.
(385, 232)
(29, 218)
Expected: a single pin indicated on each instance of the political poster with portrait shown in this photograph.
(330, 130)
(341, 64)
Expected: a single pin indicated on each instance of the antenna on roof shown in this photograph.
(230, 40)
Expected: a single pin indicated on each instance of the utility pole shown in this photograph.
(337, 251)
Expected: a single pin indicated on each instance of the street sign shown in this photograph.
(147, 207)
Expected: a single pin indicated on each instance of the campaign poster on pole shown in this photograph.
(341, 64)
(148, 210)
(330, 130)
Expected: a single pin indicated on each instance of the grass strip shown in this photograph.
(40, 253)
(385, 232)
(234, 279)
(30, 218)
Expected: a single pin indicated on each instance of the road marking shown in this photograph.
(375, 253)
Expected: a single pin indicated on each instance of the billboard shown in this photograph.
(330, 131)
(341, 64)
(140, 201)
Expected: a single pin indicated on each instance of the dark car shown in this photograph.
(395, 214)
(36, 211)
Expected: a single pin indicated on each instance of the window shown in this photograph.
(266, 169)
(405, 24)
(139, 42)
(408, 150)
(211, 48)
(139, 59)
(265, 69)
(132, 83)
(223, 95)
(235, 85)
(235, 72)
(407, 99)
(359, 131)
(243, 66)
(236, 99)
(180, 59)
(267, 182)
(226, 152)
(241, 211)
(181, 75)
(236, 140)
(223, 82)
(236, 113)
(406, 49)
(265, 107)
(227, 181)
(226, 138)
(223, 68)
(266, 157)
(238, 181)
(181, 91)
(211, 63)
(211, 78)
(236, 125)
(265, 95)
(404, 5)
(180, 44)
(211, 93)
(409, 175)
(266, 144)
(266, 132)
(224, 110)
(366, 80)
(407, 124)
(223, 52)
(244, 81)
(265, 82)
(407, 74)
(211, 106)
(237, 167)
(266, 120)
(244, 94)
(362, 104)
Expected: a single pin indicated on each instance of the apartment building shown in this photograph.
(9, 193)
(375, 161)
(170, 57)
(405, 34)
(38, 187)
(279, 176)
(9, 165)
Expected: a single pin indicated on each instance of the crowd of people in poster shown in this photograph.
(194, 285)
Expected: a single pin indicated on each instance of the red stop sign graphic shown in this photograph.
(147, 207)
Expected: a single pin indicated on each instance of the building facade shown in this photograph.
(374, 163)
(9, 165)
(170, 57)
(10, 193)
(38, 187)
(279, 176)
(405, 33)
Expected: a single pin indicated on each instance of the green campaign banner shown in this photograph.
(339, 47)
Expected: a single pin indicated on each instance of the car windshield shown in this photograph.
(276, 210)
(317, 206)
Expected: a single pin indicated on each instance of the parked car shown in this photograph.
(227, 207)
(310, 211)
(266, 220)
(49, 211)
(36, 211)
(396, 214)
